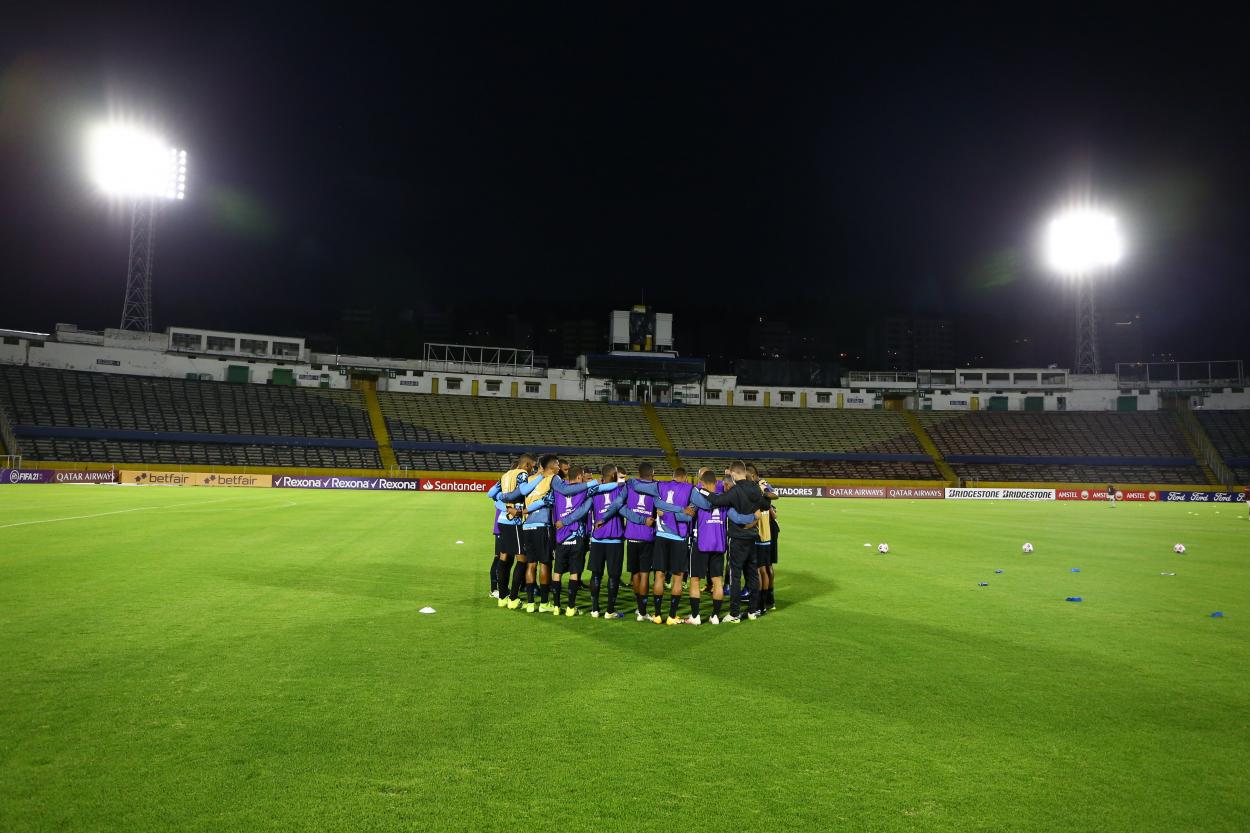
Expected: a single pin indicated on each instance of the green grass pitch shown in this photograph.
(221, 660)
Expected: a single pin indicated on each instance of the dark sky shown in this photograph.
(805, 165)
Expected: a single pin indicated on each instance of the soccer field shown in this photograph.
(254, 660)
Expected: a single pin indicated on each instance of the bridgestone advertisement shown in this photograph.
(1000, 494)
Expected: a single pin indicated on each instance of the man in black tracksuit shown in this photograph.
(746, 498)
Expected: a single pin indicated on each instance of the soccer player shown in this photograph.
(494, 556)
(671, 553)
(1111, 495)
(768, 557)
(606, 544)
(508, 522)
(573, 501)
(708, 556)
(640, 535)
(745, 499)
(536, 532)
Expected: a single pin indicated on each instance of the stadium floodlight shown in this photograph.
(1083, 242)
(129, 162)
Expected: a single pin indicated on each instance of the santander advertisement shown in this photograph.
(441, 485)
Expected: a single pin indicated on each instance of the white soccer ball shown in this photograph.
(1179, 548)
(1027, 547)
(883, 547)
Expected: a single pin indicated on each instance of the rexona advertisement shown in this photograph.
(285, 481)
(192, 478)
(1000, 494)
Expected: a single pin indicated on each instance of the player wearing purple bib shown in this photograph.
(607, 530)
(708, 556)
(573, 503)
(672, 541)
(640, 535)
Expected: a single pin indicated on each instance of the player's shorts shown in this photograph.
(604, 555)
(670, 556)
(536, 545)
(508, 541)
(570, 558)
(697, 564)
(715, 565)
(640, 556)
(776, 532)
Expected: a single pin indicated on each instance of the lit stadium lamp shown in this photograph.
(1083, 241)
(126, 161)
(1080, 243)
(137, 165)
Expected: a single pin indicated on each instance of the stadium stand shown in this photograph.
(528, 423)
(1150, 434)
(1076, 447)
(1230, 434)
(206, 454)
(827, 430)
(826, 469)
(1016, 473)
(41, 396)
(62, 415)
(98, 417)
(482, 434)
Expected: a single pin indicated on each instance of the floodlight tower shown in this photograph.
(143, 169)
(1082, 244)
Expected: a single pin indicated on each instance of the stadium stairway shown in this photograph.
(926, 442)
(369, 391)
(1204, 451)
(661, 435)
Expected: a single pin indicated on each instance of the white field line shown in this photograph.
(102, 514)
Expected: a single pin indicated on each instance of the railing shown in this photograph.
(6, 433)
(1228, 373)
(1207, 451)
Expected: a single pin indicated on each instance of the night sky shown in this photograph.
(804, 166)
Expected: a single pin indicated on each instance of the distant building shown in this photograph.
(770, 338)
(906, 343)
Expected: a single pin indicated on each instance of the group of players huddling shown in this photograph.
(555, 520)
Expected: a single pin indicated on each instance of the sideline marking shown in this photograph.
(102, 514)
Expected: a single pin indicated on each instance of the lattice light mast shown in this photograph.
(1084, 243)
(141, 168)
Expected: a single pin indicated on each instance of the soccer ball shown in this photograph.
(883, 547)
(1179, 548)
(1027, 547)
